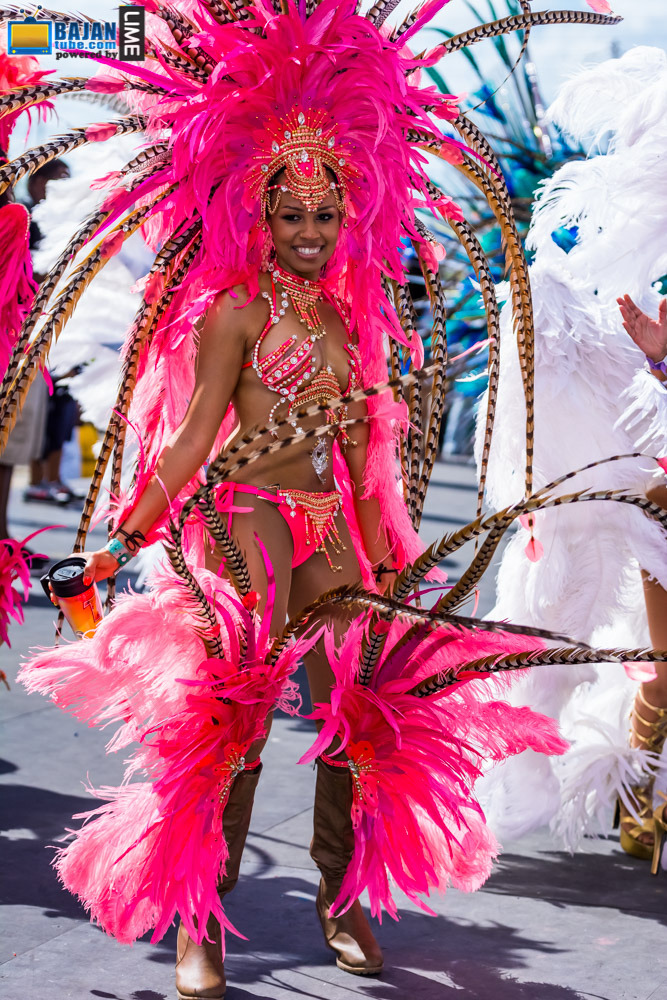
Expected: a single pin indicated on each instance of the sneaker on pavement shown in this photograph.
(45, 493)
(71, 494)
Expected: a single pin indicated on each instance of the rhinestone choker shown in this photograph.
(304, 295)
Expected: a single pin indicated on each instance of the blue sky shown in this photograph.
(559, 51)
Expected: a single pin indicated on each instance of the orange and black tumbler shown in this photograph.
(80, 602)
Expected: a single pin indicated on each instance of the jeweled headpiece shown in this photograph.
(303, 145)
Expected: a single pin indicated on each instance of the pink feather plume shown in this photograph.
(415, 762)
(14, 574)
(17, 286)
(155, 847)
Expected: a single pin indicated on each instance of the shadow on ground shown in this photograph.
(27, 876)
(426, 957)
(613, 880)
(423, 954)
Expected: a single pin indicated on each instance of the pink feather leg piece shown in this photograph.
(415, 761)
(155, 847)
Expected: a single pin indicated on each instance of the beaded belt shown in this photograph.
(319, 510)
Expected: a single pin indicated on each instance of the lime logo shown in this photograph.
(131, 34)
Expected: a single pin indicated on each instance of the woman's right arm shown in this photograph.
(219, 360)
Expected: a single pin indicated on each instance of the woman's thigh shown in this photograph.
(311, 579)
(262, 523)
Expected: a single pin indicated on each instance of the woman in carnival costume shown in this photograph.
(644, 823)
(284, 165)
(596, 233)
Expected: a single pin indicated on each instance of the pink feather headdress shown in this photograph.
(334, 72)
(229, 94)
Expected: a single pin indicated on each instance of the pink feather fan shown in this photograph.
(155, 847)
(17, 286)
(415, 761)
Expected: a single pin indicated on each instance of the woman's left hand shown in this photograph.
(649, 335)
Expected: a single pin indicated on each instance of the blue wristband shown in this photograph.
(116, 549)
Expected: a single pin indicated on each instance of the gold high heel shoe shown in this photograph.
(629, 829)
(651, 821)
(659, 831)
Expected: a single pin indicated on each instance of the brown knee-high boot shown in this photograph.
(348, 935)
(200, 972)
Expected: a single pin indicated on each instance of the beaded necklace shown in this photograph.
(304, 296)
(283, 370)
(291, 371)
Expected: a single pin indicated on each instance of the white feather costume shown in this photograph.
(592, 401)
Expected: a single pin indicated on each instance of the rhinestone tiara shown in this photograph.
(303, 145)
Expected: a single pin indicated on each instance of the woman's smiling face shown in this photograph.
(304, 241)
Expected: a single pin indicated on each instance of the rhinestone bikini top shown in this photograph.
(292, 371)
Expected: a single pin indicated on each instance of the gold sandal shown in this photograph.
(629, 834)
(647, 820)
(659, 831)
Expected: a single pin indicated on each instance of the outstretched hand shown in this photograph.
(649, 335)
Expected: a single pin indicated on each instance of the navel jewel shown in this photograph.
(319, 456)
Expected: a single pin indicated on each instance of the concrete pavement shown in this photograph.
(546, 926)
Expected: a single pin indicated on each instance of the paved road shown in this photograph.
(546, 926)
